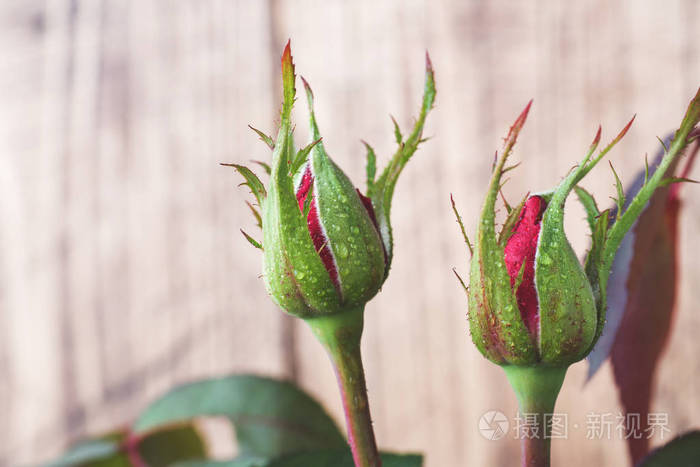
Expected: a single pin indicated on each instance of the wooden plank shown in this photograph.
(122, 271)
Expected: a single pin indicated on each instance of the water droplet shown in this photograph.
(342, 250)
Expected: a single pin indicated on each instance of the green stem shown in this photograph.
(340, 334)
(537, 388)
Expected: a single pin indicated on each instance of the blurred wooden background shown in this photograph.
(122, 271)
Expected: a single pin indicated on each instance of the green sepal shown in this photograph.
(589, 205)
(252, 181)
(567, 310)
(671, 180)
(620, 200)
(382, 190)
(256, 214)
(511, 220)
(294, 274)
(352, 237)
(461, 227)
(371, 168)
(626, 220)
(265, 166)
(301, 156)
(397, 131)
(263, 137)
(568, 314)
(497, 328)
(252, 241)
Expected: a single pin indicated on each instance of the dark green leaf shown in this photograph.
(682, 451)
(170, 445)
(271, 417)
(343, 458)
(241, 461)
(160, 448)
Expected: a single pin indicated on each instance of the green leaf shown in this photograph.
(89, 453)
(158, 449)
(170, 445)
(271, 417)
(682, 451)
(241, 461)
(343, 458)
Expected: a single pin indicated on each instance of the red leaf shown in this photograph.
(649, 310)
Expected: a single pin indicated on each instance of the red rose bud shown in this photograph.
(326, 247)
(318, 233)
(531, 302)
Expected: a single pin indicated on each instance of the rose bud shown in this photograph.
(533, 307)
(327, 248)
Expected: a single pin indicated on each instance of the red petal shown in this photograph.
(318, 236)
(521, 247)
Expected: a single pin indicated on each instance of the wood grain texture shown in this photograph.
(122, 271)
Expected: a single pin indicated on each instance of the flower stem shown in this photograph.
(537, 388)
(340, 334)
